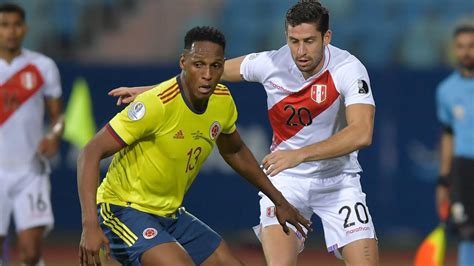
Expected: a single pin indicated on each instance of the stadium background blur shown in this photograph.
(403, 43)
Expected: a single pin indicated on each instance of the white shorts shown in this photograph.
(28, 199)
(338, 201)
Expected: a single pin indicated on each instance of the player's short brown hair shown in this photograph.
(13, 8)
(465, 26)
(308, 11)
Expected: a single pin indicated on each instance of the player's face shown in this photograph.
(307, 47)
(464, 50)
(12, 31)
(202, 67)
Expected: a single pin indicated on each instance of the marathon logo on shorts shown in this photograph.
(299, 236)
(358, 229)
(319, 93)
(150, 233)
(271, 211)
(333, 248)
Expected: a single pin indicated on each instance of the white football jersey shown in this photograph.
(306, 111)
(24, 84)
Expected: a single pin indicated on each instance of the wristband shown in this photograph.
(443, 181)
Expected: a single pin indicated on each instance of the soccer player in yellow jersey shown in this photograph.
(160, 142)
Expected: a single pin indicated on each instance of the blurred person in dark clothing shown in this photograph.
(455, 108)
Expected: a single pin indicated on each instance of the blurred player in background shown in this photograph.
(321, 110)
(455, 105)
(161, 141)
(29, 86)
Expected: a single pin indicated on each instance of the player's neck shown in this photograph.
(467, 73)
(9, 54)
(197, 105)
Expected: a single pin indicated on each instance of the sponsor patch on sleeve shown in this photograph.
(136, 111)
(363, 86)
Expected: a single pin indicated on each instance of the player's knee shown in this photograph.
(222, 256)
(282, 261)
(30, 257)
(362, 252)
(29, 254)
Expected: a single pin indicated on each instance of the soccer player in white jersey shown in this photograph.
(321, 110)
(29, 86)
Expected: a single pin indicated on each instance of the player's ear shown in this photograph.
(181, 60)
(327, 37)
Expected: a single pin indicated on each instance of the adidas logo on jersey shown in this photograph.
(179, 135)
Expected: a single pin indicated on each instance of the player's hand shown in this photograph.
(48, 146)
(278, 161)
(125, 95)
(442, 202)
(92, 239)
(286, 213)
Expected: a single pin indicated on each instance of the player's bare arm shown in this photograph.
(92, 238)
(239, 157)
(232, 69)
(49, 145)
(126, 95)
(357, 135)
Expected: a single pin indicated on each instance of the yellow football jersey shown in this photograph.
(166, 142)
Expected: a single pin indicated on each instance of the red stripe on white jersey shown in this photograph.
(18, 89)
(292, 113)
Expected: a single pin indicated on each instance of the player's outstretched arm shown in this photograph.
(357, 135)
(232, 69)
(239, 157)
(49, 145)
(128, 94)
(92, 238)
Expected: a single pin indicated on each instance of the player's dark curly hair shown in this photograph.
(464, 27)
(13, 8)
(308, 11)
(204, 33)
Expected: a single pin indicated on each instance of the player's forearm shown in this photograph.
(232, 69)
(56, 117)
(142, 89)
(446, 155)
(245, 164)
(349, 139)
(57, 127)
(87, 181)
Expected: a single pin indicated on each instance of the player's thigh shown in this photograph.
(6, 206)
(462, 201)
(343, 211)
(32, 205)
(197, 238)
(296, 191)
(278, 247)
(131, 233)
(171, 253)
(361, 252)
(222, 256)
(29, 240)
(2, 240)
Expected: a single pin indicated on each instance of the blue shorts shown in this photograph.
(132, 232)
